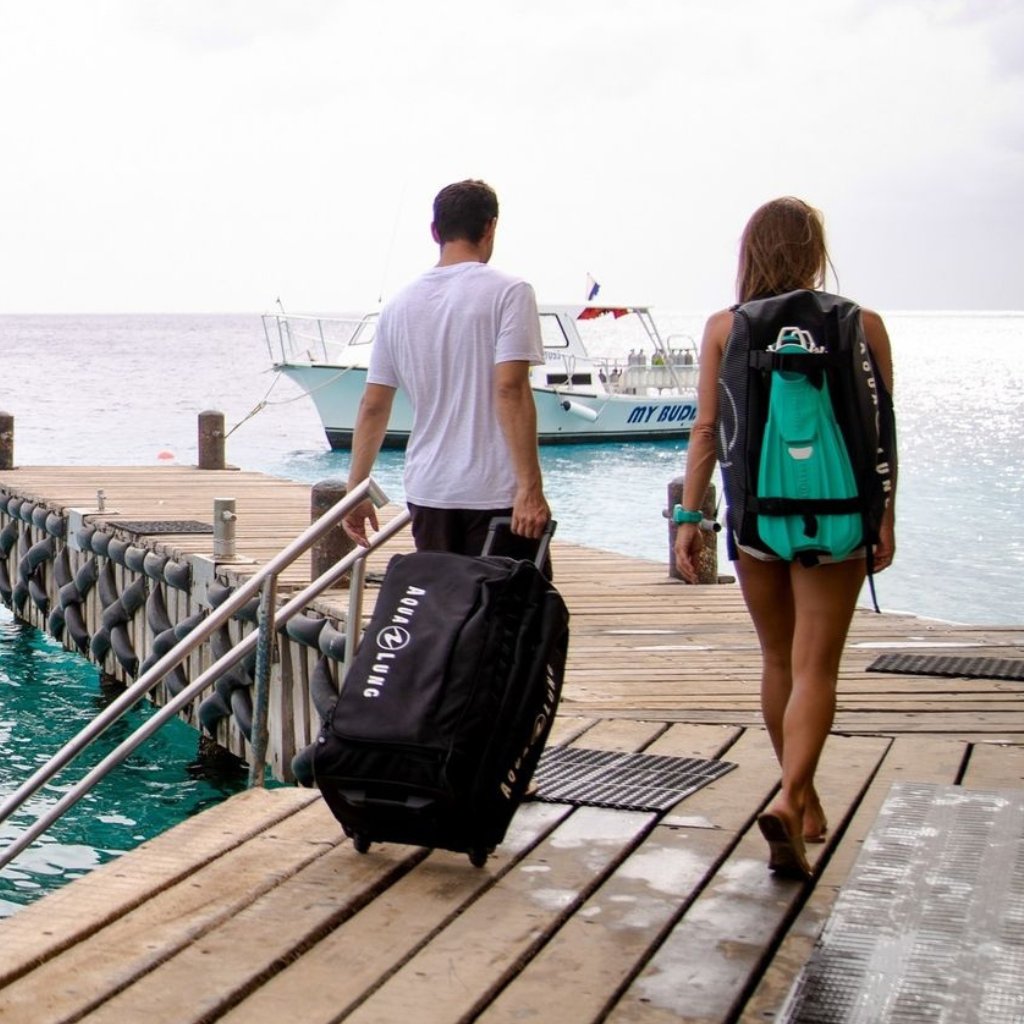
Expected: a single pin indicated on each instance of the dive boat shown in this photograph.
(581, 398)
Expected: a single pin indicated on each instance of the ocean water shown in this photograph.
(46, 695)
(117, 390)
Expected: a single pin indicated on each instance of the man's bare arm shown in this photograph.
(517, 415)
(367, 438)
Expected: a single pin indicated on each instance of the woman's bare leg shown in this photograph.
(801, 617)
(824, 600)
(768, 595)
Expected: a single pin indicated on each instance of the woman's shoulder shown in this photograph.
(719, 322)
(873, 324)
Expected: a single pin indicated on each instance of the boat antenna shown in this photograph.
(391, 245)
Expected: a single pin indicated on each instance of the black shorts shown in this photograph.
(464, 530)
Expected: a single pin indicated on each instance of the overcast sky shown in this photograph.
(214, 155)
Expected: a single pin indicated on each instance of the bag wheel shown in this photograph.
(478, 856)
(360, 843)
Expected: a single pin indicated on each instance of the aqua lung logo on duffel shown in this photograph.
(391, 640)
(512, 785)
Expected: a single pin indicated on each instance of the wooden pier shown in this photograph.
(260, 911)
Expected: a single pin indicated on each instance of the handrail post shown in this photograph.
(354, 618)
(265, 645)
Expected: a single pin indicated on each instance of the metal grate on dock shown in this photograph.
(634, 782)
(152, 527)
(948, 665)
(929, 927)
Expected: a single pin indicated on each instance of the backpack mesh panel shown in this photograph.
(733, 428)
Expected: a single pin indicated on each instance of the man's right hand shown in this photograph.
(355, 522)
(530, 514)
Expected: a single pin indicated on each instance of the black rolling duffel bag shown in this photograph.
(447, 705)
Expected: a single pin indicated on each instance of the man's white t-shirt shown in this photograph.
(439, 340)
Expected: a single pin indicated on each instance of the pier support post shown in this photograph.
(211, 439)
(6, 441)
(336, 543)
(707, 564)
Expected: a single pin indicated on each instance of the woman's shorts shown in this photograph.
(763, 556)
(733, 549)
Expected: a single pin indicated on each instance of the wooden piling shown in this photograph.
(707, 563)
(6, 441)
(211, 439)
(336, 543)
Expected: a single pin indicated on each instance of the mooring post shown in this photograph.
(707, 563)
(211, 439)
(6, 441)
(336, 543)
(224, 518)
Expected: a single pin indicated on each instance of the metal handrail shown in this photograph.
(149, 679)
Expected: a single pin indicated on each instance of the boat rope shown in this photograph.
(265, 400)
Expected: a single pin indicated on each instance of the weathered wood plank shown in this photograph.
(615, 929)
(30, 937)
(995, 766)
(457, 974)
(349, 962)
(910, 758)
(715, 951)
(83, 976)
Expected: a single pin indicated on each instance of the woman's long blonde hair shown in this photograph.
(782, 249)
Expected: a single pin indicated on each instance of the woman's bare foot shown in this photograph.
(786, 856)
(815, 823)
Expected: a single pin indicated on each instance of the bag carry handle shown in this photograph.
(542, 546)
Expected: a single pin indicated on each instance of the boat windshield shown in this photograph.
(552, 332)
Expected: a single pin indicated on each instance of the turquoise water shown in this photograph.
(46, 694)
(116, 390)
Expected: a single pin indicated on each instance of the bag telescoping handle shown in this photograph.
(542, 545)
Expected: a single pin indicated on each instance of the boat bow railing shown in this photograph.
(295, 338)
(262, 583)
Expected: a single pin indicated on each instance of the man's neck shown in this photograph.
(461, 251)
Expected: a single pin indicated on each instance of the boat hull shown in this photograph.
(563, 416)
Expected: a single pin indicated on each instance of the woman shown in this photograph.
(801, 614)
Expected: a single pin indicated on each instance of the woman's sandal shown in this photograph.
(786, 851)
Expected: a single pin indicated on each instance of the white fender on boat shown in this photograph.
(583, 411)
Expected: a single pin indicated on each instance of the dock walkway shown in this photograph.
(260, 911)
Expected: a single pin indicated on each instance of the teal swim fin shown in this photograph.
(803, 455)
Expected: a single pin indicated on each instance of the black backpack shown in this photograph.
(839, 361)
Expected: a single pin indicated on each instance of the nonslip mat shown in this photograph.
(151, 527)
(950, 666)
(628, 782)
(929, 925)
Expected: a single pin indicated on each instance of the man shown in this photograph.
(459, 341)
